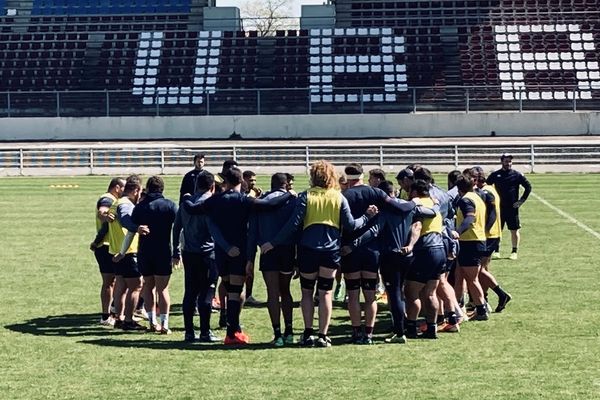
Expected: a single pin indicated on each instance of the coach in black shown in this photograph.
(507, 182)
(188, 183)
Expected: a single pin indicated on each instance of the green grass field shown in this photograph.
(545, 345)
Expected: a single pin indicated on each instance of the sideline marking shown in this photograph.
(567, 216)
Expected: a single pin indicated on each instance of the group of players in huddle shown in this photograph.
(428, 247)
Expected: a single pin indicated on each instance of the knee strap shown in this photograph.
(325, 284)
(352, 284)
(308, 284)
(368, 284)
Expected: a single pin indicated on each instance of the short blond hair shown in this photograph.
(322, 174)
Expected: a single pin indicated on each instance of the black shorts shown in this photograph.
(471, 253)
(199, 267)
(104, 259)
(492, 245)
(395, 262)
(428, 265)
(361, 259)
(510, 217)
(155, 264)
(281, 259)
(230, 265)
(310, 260)
(128, 267)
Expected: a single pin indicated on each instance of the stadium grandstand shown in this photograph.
(83, 58)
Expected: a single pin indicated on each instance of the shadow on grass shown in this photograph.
(64, 325)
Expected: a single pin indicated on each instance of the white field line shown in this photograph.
(567, 216)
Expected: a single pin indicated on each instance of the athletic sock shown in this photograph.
(481, 310)
(369, 331)
(322, 336)
(440, 319)
(276, 331)
(151, 317)
(233, 316)
(515, 249)
(431, 328)
(499, 291)
(288, 329)
(164, 320)
(105, 316)
(356, 331)
(308, 332)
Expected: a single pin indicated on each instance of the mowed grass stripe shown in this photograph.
(545, 345)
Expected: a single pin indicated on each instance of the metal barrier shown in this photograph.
(272, 101)
(81, 159)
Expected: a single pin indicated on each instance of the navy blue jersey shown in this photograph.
(158, 213)
(507, 184)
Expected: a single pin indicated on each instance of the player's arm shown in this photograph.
(490, 211)
(291, 226)
(103, 209)
(252, 238)
(177, 228)
(415, 233)
(367, 237)
(395, 206)
(100, 235)
(268, 203)
(468, 209)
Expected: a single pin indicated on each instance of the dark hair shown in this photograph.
(387, 187)
(233, 176)
(289, 177)
(278, 180)
(198, 156)
(155, 184)
(353, 169)
(464, 183)
(405, 173)
(413, 166)
(420, 187)
(118, 181)
(478, 174)
(228, 164)
(452, 176)
(248, 174)
(204, 182)
(132, 183)
(377, 173)
(423, 174)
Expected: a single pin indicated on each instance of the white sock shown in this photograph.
(164, 320)
(151, 317)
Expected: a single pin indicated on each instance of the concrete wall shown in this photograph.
(302, 126)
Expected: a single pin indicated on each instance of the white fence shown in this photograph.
(172, 159)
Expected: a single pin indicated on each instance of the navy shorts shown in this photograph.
(361, 259)
(428, 265)
(395, 262)
(510, 217)
(104, 259)
(128, 267)
(281, 259)
(155, 264)
(309, 260)
(471, 253)
(230, 265)
(492, 245)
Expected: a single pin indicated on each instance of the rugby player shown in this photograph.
(423, 276)
(321, 212)
(128, 277)
(470, 231)
(100, 247)
(200, 269)
(376, 176)
(361, 268)
(493, 233)
(253, 191)
(154, 255)
(277, 266)
(507, 181)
